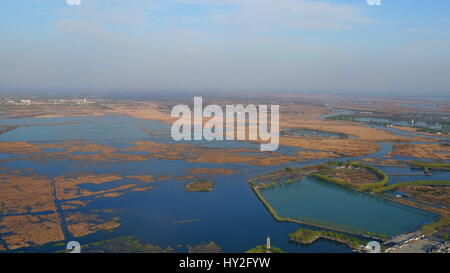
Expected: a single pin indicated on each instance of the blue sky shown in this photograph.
(401, 47)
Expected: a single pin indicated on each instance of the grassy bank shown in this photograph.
(431, 165)
(308, 236)
(428, 228)
(420, 182)
(262, 249)
(383, 177)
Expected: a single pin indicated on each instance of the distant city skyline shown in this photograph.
(399, 48)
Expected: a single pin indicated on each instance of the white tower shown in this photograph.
(268, 245)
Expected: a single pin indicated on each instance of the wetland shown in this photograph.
(115, 182)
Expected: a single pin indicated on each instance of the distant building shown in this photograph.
(268, 245)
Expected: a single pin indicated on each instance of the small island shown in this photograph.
(309, 236)
(199, 186)
(125, 244)
(210, 247)
(263, 249)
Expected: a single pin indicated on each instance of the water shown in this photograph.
(420, 106)
(383, 123)
(80, 128)
(382, 120)
(312, 133)
(236, 224)
(320, 200)
(338, 112)
(231, 215)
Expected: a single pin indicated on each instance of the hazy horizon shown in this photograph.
(401, 48)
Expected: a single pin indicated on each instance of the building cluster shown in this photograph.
(11, 101)
(421, 244)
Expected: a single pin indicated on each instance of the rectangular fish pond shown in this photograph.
(330, 205)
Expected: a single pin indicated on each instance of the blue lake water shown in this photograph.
(320, 200)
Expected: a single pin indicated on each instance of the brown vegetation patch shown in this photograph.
(84, 224)
(68, 187)
(354, 176)
(99, 153)
(364, 141)
(429, 151)
(74, 204)
(146, 188)
(81, 146)
(22, 194)
(434, 195)
(192, 153)
(143, 110)
(45, 110)
(199, 186)
(156, 150)
(185, 177)
(28, 230)
(210, 171)
(210, 247)
(19, 148)
(337, 147)
(143, 178)
(205, 173)
(109, 194)
(164, 177)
